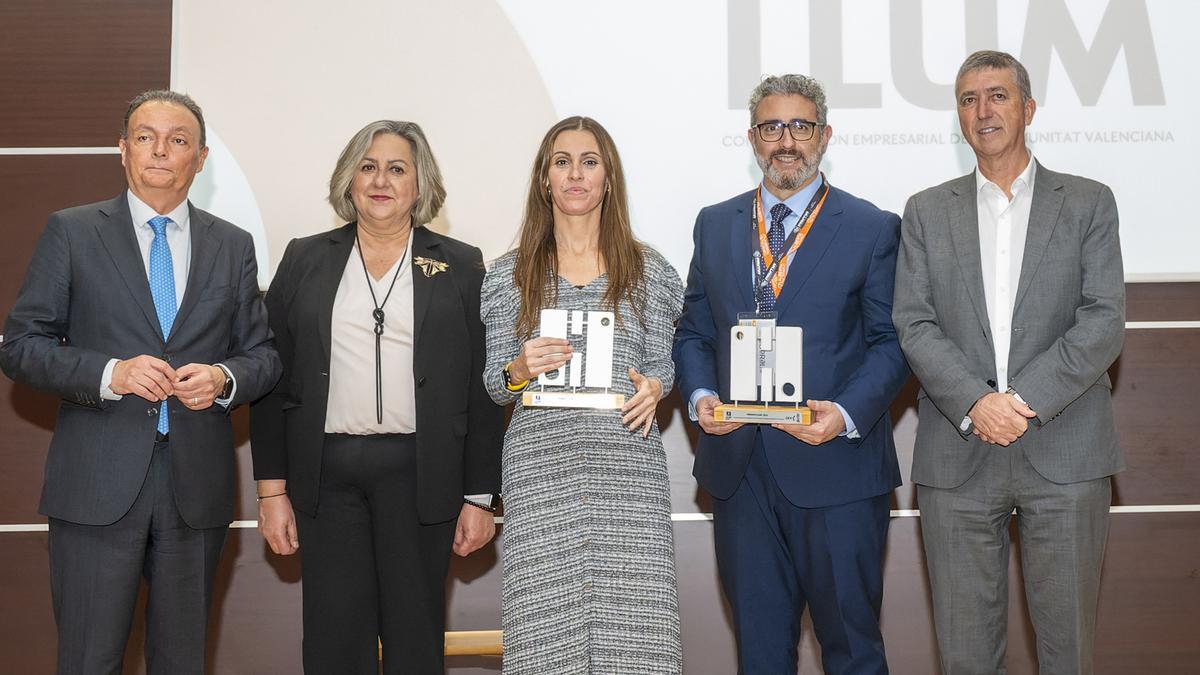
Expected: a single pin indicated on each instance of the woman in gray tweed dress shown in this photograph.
(589, 571)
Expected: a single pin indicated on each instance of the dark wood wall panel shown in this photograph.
(32, 187)
(1150, 596)
(69, 69)
(1162, 302)
(255, 620)
(27, 643)
(1155, 395)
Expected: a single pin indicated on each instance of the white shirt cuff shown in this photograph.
(106, 391)
(694, 399)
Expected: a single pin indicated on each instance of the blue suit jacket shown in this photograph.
(839, 290)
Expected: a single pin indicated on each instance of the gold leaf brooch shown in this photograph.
(430, 266)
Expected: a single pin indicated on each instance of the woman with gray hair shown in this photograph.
(378, 451)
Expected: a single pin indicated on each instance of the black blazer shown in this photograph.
(85, 300)
(458, 425)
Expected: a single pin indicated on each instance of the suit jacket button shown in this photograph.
(420, 381)
(151, 412)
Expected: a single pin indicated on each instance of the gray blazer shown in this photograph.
(1067, 328)
(85, 300)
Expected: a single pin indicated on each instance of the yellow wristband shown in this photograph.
(509, 384)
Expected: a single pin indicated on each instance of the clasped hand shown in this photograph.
(196, 385)
(1000, 418)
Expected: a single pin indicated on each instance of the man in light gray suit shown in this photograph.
(142, 313)
(1010, 306)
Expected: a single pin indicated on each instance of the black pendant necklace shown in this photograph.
(378, 316)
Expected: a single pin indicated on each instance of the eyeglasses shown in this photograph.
(801, 130)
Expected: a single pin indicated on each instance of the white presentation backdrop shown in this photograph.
(285, 84)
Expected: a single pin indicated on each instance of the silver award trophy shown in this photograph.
(766, 374)
(585, 380)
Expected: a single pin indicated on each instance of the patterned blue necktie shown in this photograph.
(766, 295)
(162, 289)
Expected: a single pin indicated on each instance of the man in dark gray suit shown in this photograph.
(143, 314)
(1010, 306)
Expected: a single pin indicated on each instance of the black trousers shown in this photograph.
(95, 572)
(371, 570)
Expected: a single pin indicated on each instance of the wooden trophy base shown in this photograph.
(762, 414)
(572, 399)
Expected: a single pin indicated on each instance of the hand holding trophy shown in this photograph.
(540, 355)
(575, 377)
(766, 364)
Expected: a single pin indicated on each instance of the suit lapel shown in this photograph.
(116, 234)
(327, 278)
(741, 242)
(964, 230)
(809, 255)
(1043, 216)
(204, 255)
(424, 245)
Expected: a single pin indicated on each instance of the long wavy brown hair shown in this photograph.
(536, 271)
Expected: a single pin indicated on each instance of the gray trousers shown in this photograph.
(96, 571)
(1063, 529)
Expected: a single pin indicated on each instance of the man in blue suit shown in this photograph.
(800, 512)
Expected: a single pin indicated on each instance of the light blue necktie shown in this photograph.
(162, 289)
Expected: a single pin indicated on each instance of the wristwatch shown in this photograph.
(227, 390)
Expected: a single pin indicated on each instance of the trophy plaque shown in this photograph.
(766, 372)
(585, 380)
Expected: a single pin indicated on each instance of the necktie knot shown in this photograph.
(778, 213)
(775, 233)
(159, 225)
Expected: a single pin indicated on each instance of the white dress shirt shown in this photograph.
(351, 406)
(1003, 224)
(179, 239)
